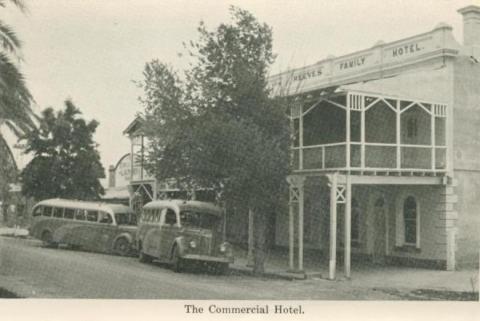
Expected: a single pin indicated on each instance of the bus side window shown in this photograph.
(80, 215)
(92, 216)
(157, 215)
(58, 212)
(69, 213)
(38, 211)
(170, 217)
(105, 218)
(47, 211)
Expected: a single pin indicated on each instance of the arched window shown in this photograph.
(355, 231)
(410, 220)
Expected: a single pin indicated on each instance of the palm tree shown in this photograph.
(15, 98)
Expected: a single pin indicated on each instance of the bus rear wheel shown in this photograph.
(122, 247)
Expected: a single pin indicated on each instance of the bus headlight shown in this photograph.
(226, 251)
(223, 247)
(193, 244)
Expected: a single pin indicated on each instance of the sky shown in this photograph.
(92, 51)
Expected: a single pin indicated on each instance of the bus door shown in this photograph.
(106, 230)
(153, 234)
(76, 234)
(84, 233)
(170, 231)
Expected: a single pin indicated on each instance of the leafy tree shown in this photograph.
(65, 161)
(165, 107)
(220, 128)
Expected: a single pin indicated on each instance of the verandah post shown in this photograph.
(397, 134)
(333, 226)
(347, 131)
(362, 134)
(432, 136)
(291, 240)
(348, 225)
(300, 223)
(296, 196)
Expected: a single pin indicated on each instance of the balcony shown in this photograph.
(355, 131)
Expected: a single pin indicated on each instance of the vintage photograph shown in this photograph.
(240, 150)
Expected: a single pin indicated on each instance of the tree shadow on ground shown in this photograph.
(5, 294)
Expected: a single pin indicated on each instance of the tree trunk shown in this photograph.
(251, 240)
(260, 241)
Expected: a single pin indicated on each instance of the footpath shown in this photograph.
(416, 283)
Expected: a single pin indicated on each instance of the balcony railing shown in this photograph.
(375, 157)
(425, 121)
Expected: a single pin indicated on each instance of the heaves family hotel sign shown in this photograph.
(406, 50)
(368, 64)
(308, 74)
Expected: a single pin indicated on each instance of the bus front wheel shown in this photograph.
(177, 261)
(47, 239)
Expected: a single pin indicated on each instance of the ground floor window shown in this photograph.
(408, 222)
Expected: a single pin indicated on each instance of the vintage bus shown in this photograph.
(177, 232)
(92, 226)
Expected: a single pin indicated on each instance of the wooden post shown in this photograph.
(300, 141)
(132, 192)
(432, 136)
(300, 226)
(291, 240)
(333, 226)
(296, 196)
(132, 157)
(154, 190)
(323, 157)
(291, 230)
(397, 135)
(348, 226)
(362, 135)
(141, 157)
(347, 132)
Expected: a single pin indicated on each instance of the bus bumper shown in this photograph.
(208, 258)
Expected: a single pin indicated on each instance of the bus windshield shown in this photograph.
(199, 219)
(125, 219)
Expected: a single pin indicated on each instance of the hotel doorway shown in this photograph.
(380, 235)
